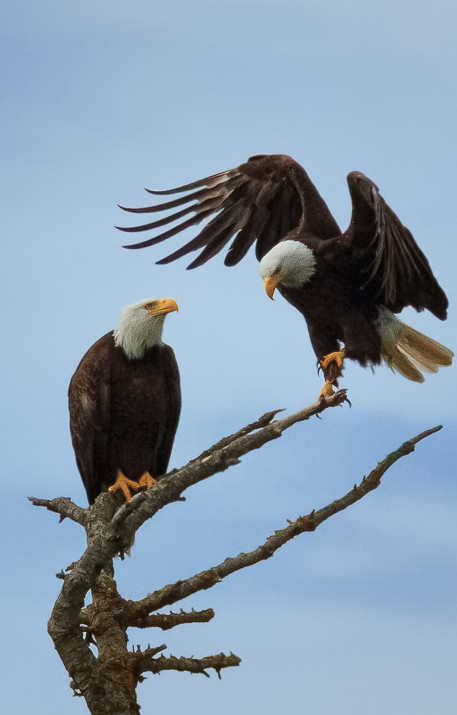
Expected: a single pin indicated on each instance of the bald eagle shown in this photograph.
(124, 401)
(346, 285)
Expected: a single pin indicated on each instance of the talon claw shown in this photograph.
(343, 393)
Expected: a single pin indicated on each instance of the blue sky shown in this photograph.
(103, 98)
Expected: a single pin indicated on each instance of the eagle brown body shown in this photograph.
(336, 313)
(123, 413)
(353, 281)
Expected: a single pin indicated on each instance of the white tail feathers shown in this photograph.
(408, 351)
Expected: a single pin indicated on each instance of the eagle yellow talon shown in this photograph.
(123, 483)
(337, 357)
(146, 480)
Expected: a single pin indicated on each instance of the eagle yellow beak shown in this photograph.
(162, 306)
(270, 284)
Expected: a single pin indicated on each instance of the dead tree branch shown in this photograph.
(210, 577)
(165, 621)
(143, 506)
(108, 681)
(144, 662)
(63, 506)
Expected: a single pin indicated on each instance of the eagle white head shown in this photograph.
(290, 263)
(140, 325)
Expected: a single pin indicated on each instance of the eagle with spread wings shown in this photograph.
(347, 285)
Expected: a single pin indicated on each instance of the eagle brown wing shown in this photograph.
(89, 400)
(392, 265)
(172, 379)
(260, 201)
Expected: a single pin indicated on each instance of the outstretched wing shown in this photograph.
(392, 264)
(260, 201)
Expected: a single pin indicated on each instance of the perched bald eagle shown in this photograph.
(124, 401)
(346, 285)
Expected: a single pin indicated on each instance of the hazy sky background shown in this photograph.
(103, 98)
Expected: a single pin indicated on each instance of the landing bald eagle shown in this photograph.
(346, 285)
(124, 401)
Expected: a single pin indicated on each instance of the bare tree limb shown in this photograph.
(144, 663)
(63, 506)
(217, 459)
(165, 621)
(251, 427)
(210, 577)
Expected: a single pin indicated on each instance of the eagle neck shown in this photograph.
(138, 334)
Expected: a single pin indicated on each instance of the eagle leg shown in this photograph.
(146, 480)
(123, 483)
(332, 365)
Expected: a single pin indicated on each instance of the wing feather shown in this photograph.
(244, 239)
(210, 234)
(201, 194)
(171, 232)
(212, 248)
(212, 180)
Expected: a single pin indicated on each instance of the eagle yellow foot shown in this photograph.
(123, 483)
(146, 480)
(327, 390)
(336, 357)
